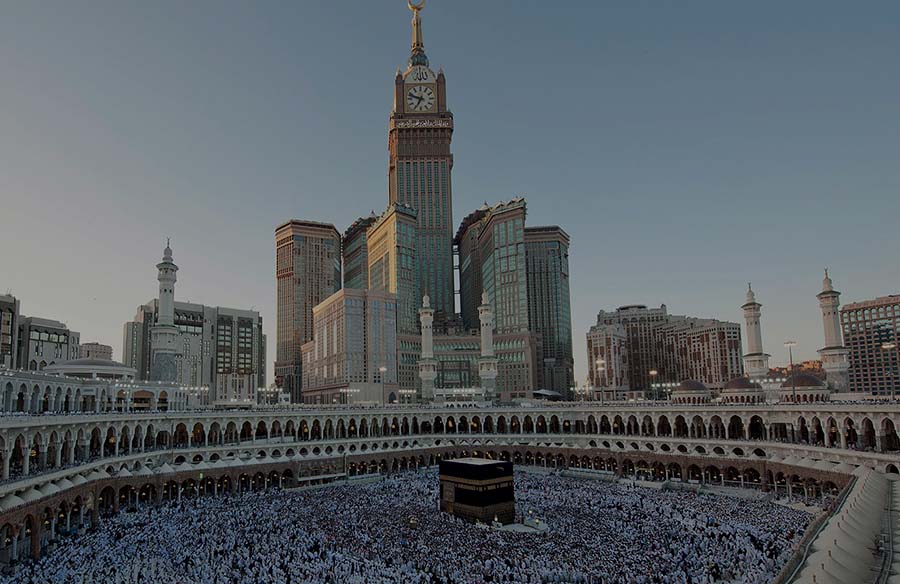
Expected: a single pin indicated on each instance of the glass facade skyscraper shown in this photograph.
(549, 311)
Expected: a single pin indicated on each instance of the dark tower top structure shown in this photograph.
(420, 131)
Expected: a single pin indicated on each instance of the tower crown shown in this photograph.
(751, 297)
(827, 285)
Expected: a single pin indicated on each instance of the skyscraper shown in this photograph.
(420, 165)
(491, 246)
(549, 310)
(392, 262)
(356, 253)
(308, 270)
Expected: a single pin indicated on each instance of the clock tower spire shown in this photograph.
(417, 53)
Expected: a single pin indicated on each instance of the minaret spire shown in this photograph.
(417, 52)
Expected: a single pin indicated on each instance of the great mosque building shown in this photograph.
(84, 439)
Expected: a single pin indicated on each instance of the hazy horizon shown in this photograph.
(686, 148)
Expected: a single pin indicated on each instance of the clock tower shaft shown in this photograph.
(420, 167)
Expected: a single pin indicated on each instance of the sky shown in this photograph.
(686, 147)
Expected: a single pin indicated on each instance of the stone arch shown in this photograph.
(736, 430)
(756, 429)
(890, 441)
(663, 427)
(681, 428)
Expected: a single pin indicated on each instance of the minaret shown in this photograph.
(756, 362)
(164, 334)
(427, 363)
(834, 355)
(487, 363)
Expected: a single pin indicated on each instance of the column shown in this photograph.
(57, 459)
(15, 542)
(5, 454)
(26, 460)
(36, 541)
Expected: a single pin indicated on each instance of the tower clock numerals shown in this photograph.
(420, 98)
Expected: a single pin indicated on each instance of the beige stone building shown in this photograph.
(352, 357)
(307, 270)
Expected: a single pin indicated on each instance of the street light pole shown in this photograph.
(653, 374)
(790, 346)
(382, 370)
(887, 348)
(600, 370)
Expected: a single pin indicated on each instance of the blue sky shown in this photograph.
(687, 147)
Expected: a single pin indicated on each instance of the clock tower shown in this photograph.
(420, 165)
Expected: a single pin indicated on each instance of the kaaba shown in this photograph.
(478, 489)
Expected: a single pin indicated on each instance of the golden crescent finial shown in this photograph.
(415, 7)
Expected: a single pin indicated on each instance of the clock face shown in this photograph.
(420, 98)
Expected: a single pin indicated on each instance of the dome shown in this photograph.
(802, 380)
(31, 495)
(742, 383)
(64, 483)
(48, 489)
(691, 385)
(94, 362)
(91, 367)
(10, 501)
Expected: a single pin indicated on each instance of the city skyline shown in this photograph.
(111, 245)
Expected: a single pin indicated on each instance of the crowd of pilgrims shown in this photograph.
(390, 531)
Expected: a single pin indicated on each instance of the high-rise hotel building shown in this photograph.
(491, 243)
(664, 348)
(355, 251)
(872, 335)
(549, 310)
(420, 164)
(307, 270)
